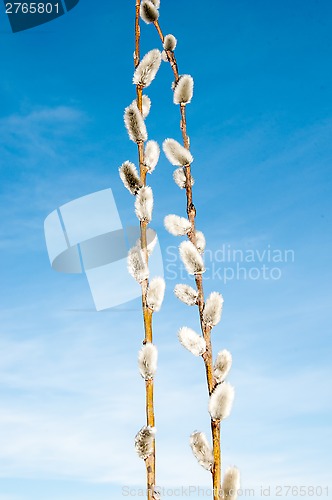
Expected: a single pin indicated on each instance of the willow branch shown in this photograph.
(137, 34)
(147, 313)
(206, 331)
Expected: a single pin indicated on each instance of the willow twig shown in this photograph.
(150, 461)
(206, 331)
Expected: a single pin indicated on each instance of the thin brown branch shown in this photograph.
(160, 33)
(216, 469)
(150, 462)
(137, 34)
(208, 355)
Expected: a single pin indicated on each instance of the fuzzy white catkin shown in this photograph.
(130, 178)
(177, 226)
(180, 178)
(147, 68)
(222, 365)
(221, 401)
(155, 293)
(137, 266)
(192, 341)
(231, 483)
(213, 309)
(151, 155)
(200, 241)
(177, 154)
(202, 450)
(134, 123)
(147, 361)
(148, 11)
(169, 42)
(183, 90)
(144, 441)
(186, 294)
(144, 204)
(191, 258)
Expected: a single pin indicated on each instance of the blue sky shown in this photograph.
(260, 124)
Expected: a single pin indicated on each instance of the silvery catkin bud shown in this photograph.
(137, 266)
(155, 293)
(151, 155)
(191, 258)
(147, 68)
(177, 226)
(231, 483)
(144, 204)
(200, 241)
(183, 90)
(177, 154)
(179, 177)
(202, 450)
(221, 401)
(169, 42)
(134, 123)
(222, 365)
(146, 105)
(144, 441)
(130, 177)
(186, 294)
(192, 341)
(148, 12)
(213, 309)
(147, 361)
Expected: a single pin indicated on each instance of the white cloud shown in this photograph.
(27, 138)
(71, 405)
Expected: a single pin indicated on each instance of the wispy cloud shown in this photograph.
(46, 161)
(71, 405)
(27, 139)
